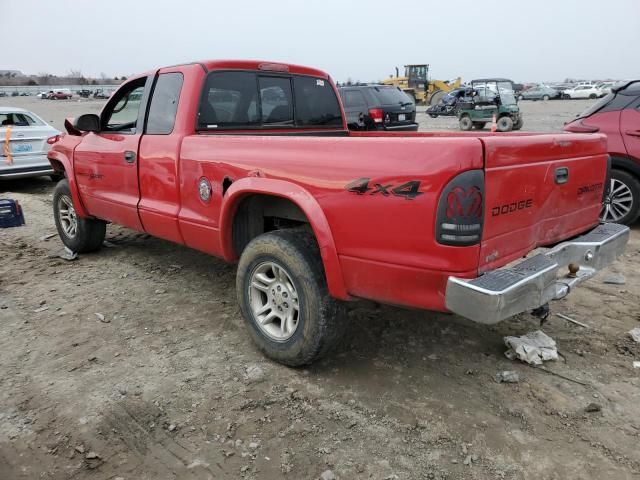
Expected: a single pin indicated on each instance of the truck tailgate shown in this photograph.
(539, 190)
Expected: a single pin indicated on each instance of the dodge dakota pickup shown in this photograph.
(252, 162)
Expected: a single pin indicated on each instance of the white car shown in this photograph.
(583, 91)
(605, 87)
(27, 144)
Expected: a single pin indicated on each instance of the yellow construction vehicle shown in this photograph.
(416, 83)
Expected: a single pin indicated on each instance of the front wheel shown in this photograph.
(505, 124)
(78, 234)
(465, 123)
(284, 298)
(545, 97)
(622, 204)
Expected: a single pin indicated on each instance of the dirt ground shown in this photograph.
(169, 386)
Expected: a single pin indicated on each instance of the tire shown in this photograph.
(593, 96)
(545, 98)
(433, 115)
(319, 319)
(465, 123)
(518, 125)
(479, 125)
(504, 124)
(521, 98)
(88, 234)
(617, 208)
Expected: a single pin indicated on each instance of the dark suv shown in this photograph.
(378, 107)
(618, 116)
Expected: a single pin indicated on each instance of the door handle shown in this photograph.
(562, 175)
(633, 133)
(129, 156)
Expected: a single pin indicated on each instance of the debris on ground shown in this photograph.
(327, 475)
(254, 374)
(102, 318)
(108, 244)
(636, 364)
(533, 348)
(68, 254)
(571, 320)
(507, 376)
(614, 280)
(593, 407)
(635, 334)
(41, 309)
(47, 236)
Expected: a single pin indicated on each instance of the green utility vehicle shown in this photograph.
(489, 97)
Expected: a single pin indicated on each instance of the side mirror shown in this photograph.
(89, 122)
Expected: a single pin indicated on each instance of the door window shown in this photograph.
(164, 104)
(121, 113)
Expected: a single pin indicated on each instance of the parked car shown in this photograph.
(99, 93)
(618, 115)
(60, 95)
(582, 91)
(378, 107)
(253, 162)
(29, 143)
(605, 87)
(539, 93)
(3, 94)
(44, 95)
(84, 93)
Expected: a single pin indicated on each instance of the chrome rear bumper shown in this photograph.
(533, 282)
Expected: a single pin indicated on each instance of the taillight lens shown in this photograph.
(54, 139)
(460, 215)
(376, 115)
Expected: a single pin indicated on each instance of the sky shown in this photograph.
(527, 41)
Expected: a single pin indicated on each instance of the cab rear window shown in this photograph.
(249, 100)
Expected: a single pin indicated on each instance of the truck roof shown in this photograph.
(265, 65)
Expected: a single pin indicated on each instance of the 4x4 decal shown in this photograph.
(408, 190)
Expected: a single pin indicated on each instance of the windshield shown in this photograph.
(507, 97)
(391, 96)
(490, 89)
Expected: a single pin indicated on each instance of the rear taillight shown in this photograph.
(461, 210)
(54, 139)
(376, 115)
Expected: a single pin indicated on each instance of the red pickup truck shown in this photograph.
(253, 162)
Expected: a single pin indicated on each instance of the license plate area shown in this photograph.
(402, 117)
(21, 147)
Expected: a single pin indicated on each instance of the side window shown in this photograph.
(164, 104)
(316, 103)
(121, 113)
(276, 100)
(229, 99)
(354, 98)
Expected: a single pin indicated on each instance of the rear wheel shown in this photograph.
(545, 97)
(78, 234)
(465, 123)
(284, 298)
(479, 125)
(622, 204)
(521, 97)
(505, 124)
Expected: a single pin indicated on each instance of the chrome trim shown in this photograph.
(534, 282)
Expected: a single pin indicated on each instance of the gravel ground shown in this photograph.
(166, 384)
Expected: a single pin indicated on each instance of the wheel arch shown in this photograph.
(246, 188)
(628, 164)
(62, 164)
